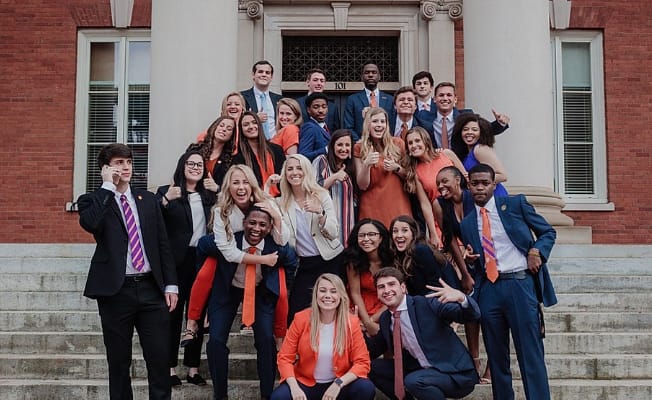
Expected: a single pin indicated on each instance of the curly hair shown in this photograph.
(209, 142)
(486, 133)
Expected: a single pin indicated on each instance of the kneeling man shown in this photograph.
(430, 361)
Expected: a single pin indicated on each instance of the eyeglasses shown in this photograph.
(370, 235)
(193, 165)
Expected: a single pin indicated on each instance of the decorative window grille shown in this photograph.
(341, 57)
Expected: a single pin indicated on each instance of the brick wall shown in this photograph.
(37, 105)
(627, 33)
(37, 109)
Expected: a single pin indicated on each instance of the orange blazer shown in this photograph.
(297, 342)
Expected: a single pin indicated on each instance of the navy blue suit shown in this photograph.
(513, 304)
(222, 309)
(332, 119)
(313, 139)
(416, 121)
(452, 373)
(355, 103)
(250, 99)
(429, 117)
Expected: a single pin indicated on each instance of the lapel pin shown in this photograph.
(141, 197)
(503, 207)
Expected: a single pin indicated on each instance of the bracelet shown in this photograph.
(166, 198)
(533, 252)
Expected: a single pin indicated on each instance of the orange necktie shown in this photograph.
(404, 130)
(399, 389)
(249, 300)
(490, 265)
(444, 134)
(372, 99)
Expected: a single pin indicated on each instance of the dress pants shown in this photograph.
(307, 273)
(222, 310)
(511, 304)
(359, 389)
(139, 304)
(186, 273)
(422, 383)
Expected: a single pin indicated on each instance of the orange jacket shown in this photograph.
(297, 342)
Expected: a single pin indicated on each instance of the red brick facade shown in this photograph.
(37, 105)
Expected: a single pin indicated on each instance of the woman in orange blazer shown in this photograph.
(333, 360)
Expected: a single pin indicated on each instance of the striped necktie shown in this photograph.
(490, 264)
(137, 259)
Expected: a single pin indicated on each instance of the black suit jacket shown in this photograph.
(250, 99)
(178, 221)
(224, 274)
(431, 322)
(99, 214)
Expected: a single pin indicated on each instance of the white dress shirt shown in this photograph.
(239, 277)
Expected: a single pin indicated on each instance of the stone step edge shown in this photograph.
(143, 381)
(249, 356)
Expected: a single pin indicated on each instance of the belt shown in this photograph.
(138, 277)
(513, 275)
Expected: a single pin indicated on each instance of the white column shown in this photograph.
(193, 66)
(441, 51)
(507, 66)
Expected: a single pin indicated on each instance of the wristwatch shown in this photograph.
(338, 382)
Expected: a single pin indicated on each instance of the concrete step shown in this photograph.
(597, 321)
(243, 366)
(97, 389)
(74, 301)
(564, 283)
(92, 343)
(94, 366)
(562, 321)
(611, 302)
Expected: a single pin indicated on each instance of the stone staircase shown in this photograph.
(598, 344)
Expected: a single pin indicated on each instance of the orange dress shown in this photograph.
(427, 174)
(369, 293)
(287, 137)
(385, 198)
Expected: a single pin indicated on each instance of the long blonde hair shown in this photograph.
(309, 184)
(243, 104)
(387, 148)
(409, 163)
(225, 202)
(341, 314)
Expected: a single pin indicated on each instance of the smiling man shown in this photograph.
(512, 281)
(358, 103)
(403, 117)
(422, 368)
(316, 82)
(132, 274)
(260, 99)
(257, 287)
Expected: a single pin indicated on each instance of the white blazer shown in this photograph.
(327, 237)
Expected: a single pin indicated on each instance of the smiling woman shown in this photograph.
(333, 361)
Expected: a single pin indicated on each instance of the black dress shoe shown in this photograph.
(175, 381)
(196, 380)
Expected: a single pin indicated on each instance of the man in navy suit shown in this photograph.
(260, 99)
(403, 117)
(132, 273)
(445, 101)
(511, 281)
(358, 103)
(228, 292)
(314, 134)
(436, 364)
(423, 82)
(316, 82)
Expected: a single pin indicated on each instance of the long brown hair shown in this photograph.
(405, 261)
(409, 163)
(264, 150)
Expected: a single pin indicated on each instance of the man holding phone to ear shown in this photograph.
(132, 274)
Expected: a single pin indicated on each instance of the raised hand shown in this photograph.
(210, 184)
(445, 293)
(503, 119)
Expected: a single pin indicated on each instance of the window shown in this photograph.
(113, 77)
(581, 170)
